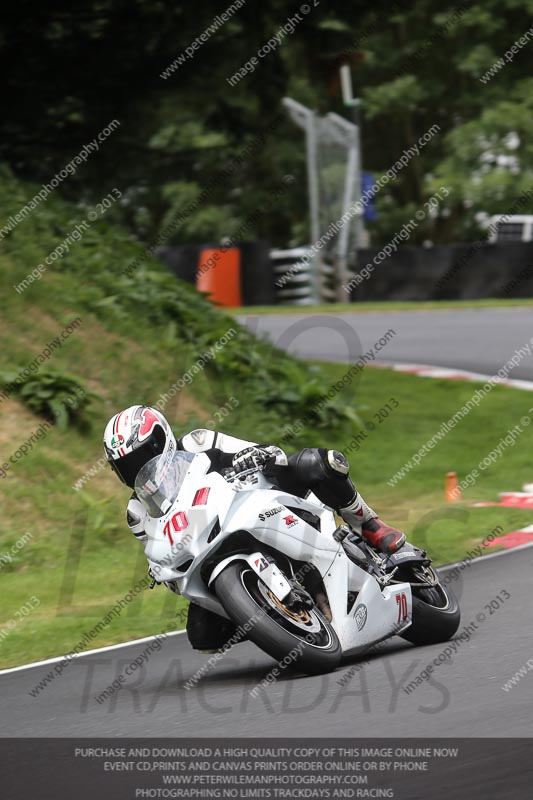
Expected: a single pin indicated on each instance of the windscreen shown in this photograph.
(157, 484)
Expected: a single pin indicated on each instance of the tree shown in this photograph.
(185, 118)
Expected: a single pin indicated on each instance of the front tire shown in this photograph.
(436, 615)
(304, 640)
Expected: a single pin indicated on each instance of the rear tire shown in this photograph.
(305, 641)
(436, 616)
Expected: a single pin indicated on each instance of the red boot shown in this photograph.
(363, 520)
(384, 538)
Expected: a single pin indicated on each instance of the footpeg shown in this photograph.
(340, 533)
(354, 554)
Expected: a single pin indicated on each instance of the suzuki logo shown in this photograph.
(290, 520)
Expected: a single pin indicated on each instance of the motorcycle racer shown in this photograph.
(138, 433)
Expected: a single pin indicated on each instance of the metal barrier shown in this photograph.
(293, 283)
(510, 228)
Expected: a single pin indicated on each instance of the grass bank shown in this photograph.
(386, 305)
(81, 557)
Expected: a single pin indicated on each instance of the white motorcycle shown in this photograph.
(280, 568)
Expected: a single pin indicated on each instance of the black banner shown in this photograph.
(444, 272)
(128, 769)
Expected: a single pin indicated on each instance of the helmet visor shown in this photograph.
(127, 467)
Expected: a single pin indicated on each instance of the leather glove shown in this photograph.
(254, 457)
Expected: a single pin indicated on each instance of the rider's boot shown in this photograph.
(364, 521)
(208, 632)
(328, 471)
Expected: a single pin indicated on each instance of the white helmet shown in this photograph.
(134, 437)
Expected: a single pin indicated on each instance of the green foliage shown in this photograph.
(131, 292)
(209, 223)
(58, 397)
(401, 97)
(105, 555)
(414, 65)
(101, 518)
(490, 161)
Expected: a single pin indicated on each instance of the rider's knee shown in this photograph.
(316, 463)
(337, 462)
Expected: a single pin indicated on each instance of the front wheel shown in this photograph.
(436, 615)
(303, 639)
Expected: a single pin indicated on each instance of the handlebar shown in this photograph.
(230, 474)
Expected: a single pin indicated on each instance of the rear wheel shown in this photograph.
(436, 615)
(301, 638)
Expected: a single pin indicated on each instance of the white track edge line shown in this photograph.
(34, 664)
(468, 375)
(488, 555)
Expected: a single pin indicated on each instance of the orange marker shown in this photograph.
(219, 274)
(452, 491)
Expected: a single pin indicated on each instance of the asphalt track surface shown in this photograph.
(479, 340)
(462, 698)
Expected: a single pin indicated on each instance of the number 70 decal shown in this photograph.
(178, 522)
(401, 601)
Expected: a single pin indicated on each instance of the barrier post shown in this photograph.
(219, 275)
